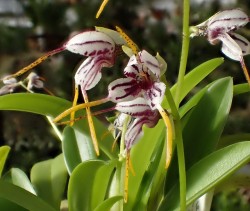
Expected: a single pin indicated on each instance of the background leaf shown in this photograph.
(52, 106)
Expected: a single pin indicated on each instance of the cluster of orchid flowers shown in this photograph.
(139, 95)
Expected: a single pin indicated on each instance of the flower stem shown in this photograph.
(181, 164)
(184, 51)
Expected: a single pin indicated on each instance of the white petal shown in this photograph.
(89, 72)
(228, 20)
(151, 62)
(134, 133)
(243, 43)
(123, 89)
(91, 43)
(230, 48)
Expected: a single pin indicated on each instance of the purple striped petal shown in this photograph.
(155, 94)
(89, 72)
(135, 132)
(228, 20)
(123, 89)
(230, 48)
(91, 43)
(136, 108)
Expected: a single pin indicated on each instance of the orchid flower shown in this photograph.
(100, 49)
(142, 81)
(221, 27)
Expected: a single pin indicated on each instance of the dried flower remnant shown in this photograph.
(221, 27)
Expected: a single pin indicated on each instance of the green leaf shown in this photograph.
(207, 121)
(208, 173)
(4, 151)
(101, 183)
(52, 106)
(19, 178)
(196, 75)
(76, 148)
(81, 185)
(153, 176)
(49, 179)
(204, 126)
(22, 197)
(108, 203)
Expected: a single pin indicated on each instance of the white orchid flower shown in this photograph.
(222, 27)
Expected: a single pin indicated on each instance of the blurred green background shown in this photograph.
(29, 28)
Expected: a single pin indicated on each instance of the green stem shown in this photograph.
(184, 51)
(180, 147)
(181, 164)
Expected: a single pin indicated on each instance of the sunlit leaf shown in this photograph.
(76, 148)
(18, 177)
(4, 151)
(52, 106)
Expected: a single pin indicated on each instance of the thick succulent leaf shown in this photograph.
(209, 172)
(76, 148)
(81, 185)
(195, 76)
(108, 203)
(204, 125)
(101, 183)
(207, 121)
(22, 197)
(19, 178)
(49, 179)
(4, 151)
(52, 106)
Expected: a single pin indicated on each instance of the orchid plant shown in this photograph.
(159, 152)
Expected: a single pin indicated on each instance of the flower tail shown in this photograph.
(72, 115)
(245, 70)
(101, 8)
(169, 138)
(78, 107)
(91, 124)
